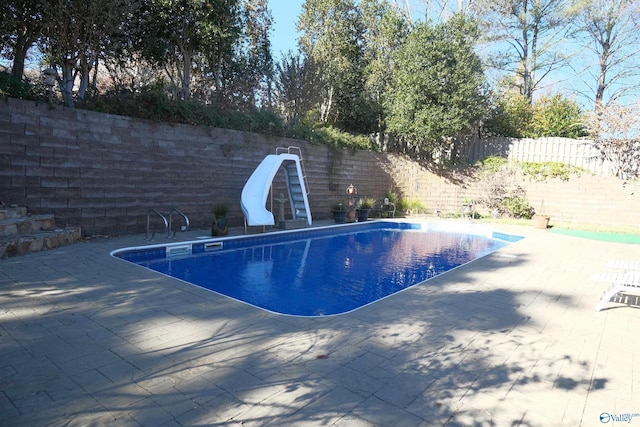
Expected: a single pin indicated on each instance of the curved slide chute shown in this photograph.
(256, 190)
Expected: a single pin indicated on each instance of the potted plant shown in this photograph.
(541, 220)
(364, 206)
(339, 213)
(220, 226)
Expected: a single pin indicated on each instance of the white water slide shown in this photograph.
(256, 190)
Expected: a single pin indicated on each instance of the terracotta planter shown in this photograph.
(541, 221)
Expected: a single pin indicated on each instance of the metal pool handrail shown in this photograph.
(164, 219)
(172, 233)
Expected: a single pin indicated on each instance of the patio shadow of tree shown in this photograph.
(123, 345)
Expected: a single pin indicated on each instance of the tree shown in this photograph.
(254, 71)
(557, 116)
(615, 132)
(171, 34)
(438, 87)
(20, 28)
(385, 32)
(510, 116)
(609, 30)
(74, 33)
(526, 36)
(332, 38)
(295, 86)
(223, 29)
(549, 116)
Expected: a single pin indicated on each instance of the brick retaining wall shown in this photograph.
(103, 172)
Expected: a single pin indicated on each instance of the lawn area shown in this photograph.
(618, 237)
(608, 233)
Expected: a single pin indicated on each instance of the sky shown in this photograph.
(284, 38)
(285, 15)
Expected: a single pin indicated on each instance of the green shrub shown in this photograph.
(538, 171)
(336, 138)
(557, 116)
(514, 116)
(516, 206)
(511, 116)
(541, 171)
(492, 164)
(411, 206)
(16, 88)
(156, 105)
(366, 203)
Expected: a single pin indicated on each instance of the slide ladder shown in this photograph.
(256, 190)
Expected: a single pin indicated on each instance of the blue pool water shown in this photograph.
(319, 272)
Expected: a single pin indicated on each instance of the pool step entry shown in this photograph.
(22, 233)
(257, 188)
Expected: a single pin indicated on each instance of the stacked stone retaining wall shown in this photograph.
(104, 172)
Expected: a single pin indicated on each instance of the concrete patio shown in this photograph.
(508, 340)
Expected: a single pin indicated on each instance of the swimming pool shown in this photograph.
(321, 271)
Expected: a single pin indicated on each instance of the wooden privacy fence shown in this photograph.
(575, 152)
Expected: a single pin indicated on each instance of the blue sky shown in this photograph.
(284, 37)
(285, 15)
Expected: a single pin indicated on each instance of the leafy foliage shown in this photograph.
(17, 88)
(411, 206)
(554, 115)
(538, 171)
(156, 105)
(511, 116)
(437, 90)
(220, 210)
(541, 171)
(335, 138)
(364, 68)
(366, 203)
(332, 38)
(296, 83)
(557, 116)
(516, 205)
(74, 36)
(20, 28)
(492, 164)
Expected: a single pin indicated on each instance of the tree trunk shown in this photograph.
(85, 69)
(23, 43)
(326, 106)
(66, 83)
(602, 77)
(186, 74)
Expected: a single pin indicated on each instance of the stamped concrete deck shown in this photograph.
(508, 340)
